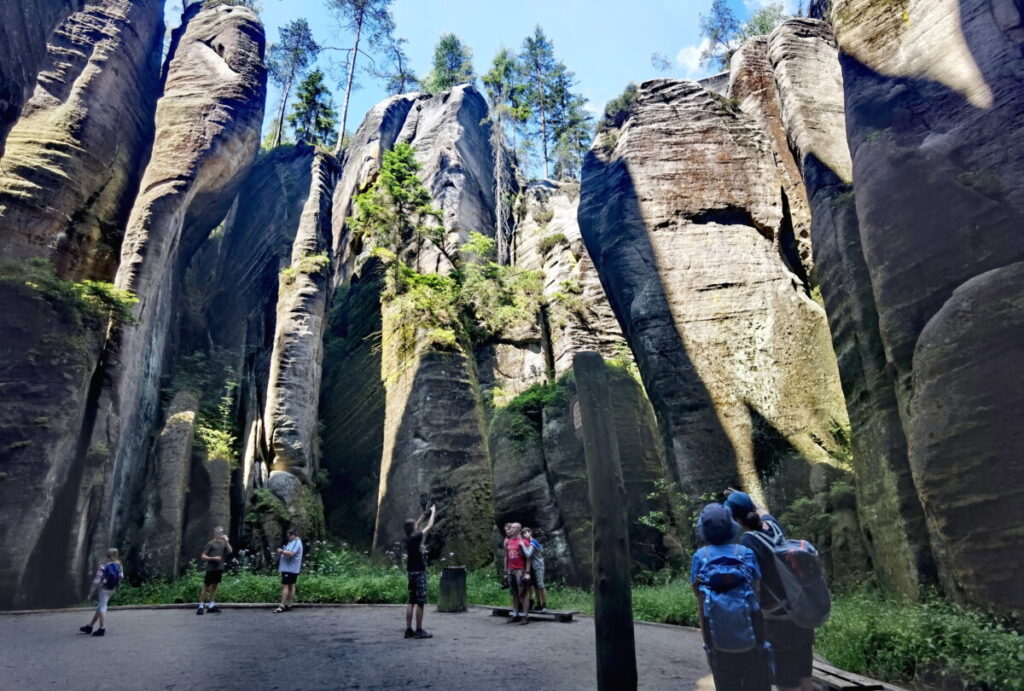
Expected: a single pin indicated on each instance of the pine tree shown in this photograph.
(287, 60)
(571, 124)
(538, 65)
(507, 95)
(313, 117)
(364, 18)
(396, 73)
(719, 27)
(453, 65)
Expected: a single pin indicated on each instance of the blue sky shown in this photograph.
(607, 44)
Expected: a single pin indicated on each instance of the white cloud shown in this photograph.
(790, 6)
(688, 58)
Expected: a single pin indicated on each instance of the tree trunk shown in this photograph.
(613, 606)
(348, 89)
(544, 136)
(280, 114)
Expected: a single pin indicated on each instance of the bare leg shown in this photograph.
(213, 592)
(291, 594)
(103, 619)
(202, 595)
(95, 617)
(408, 616)
(419, 617)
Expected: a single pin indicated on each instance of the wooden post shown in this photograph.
(613, 599)
(452, 591)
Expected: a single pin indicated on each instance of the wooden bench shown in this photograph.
(829, 678)
(561, 615)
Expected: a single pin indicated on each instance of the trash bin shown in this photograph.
(452, 592)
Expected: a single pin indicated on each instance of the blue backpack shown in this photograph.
(112, 576)
(730, 603)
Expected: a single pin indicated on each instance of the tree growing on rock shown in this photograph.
(398, 77)
(725, 34)
(366, 19)
(313, 118)
(538, 65)
(453, 65)
(287, 60)
(571, 125)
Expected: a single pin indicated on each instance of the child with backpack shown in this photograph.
(794, 594)
(726, 579)
(108, 576)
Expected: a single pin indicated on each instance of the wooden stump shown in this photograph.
(452, 592)
(613, 606)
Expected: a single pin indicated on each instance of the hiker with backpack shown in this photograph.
(108, 576)
(794, 594)
(726, 579)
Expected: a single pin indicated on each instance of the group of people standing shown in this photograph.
(524, 573)
(779, 651)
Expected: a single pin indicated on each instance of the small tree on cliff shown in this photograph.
(724, 33)
(570, 123)
(366, 19)
(287, 60)
(398, 208)
(396, 73)
(453, 65)
(313, 118)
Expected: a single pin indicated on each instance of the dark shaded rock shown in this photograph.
(24, 31)
(73, 161)
(810, 87)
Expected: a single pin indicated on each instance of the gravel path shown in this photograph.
(353, 647)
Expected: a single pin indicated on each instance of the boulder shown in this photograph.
(680, 209)
(804, 58)
(73, 161)
(933, 99)
(24, 31)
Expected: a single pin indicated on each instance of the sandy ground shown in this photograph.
(354, 647)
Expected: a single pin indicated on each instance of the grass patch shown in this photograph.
(888, 638)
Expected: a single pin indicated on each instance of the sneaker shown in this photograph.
(215, 610)
(99, 632)
(85, 629)
(420, 633)
(525, 621)
(199, 610)
(543, 609)
(409, 633)
(512, 620)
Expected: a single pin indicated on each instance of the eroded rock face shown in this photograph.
(735, 356)
(72, 163)
(809, 82)
(540, 478)
(24, 30)
(296, 362)
(207, 134)
(752, 86)
(933, 102)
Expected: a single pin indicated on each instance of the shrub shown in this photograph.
(618, 110)
(549, 242)
(91, 299)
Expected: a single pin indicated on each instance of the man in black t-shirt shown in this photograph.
(417, 568)
(214, 555)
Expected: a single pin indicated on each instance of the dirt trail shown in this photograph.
(355, 647)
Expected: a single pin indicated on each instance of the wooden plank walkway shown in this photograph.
(829, 678)
(562, 615)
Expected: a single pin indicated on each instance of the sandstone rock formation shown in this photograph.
(806, 67)
(24, 30)
(933, 100)
(752, 86)
(73, 161)
(207, 133)
(735, 356)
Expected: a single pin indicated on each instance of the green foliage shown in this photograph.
(287, 60)
(453, 65)
(543, 215)
(550, 242)
(313, 119)
(807, 519)
(89, 299)
(398, 77)
(618, 110)
(764, 20)
(843, 437)
(724, 32)
(522, 417)
(309, 264)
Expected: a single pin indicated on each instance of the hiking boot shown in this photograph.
(512, 620)
(199, 610)
(420, 633)
(215, 610)
(409, 633)
(99, 632)
(85, 629)
(525, 621)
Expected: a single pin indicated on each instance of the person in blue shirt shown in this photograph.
(792, 646)
(534, 553)
(732, 671)
(289, 566)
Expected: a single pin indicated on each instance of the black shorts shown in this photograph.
(213, 577)
(417, 587)
(793, 648)
(288, 578)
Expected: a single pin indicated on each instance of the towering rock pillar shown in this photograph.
(207, 134)
(810, 87)
(680, 210)
(933, 100)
